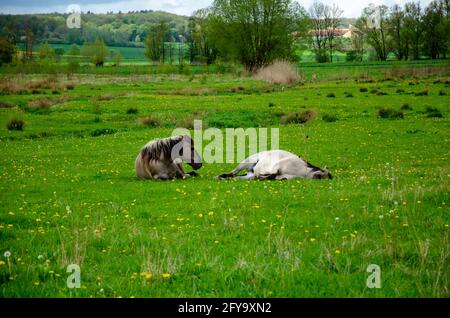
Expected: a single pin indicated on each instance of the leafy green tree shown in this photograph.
(96, 52)
(398, 35)
(255, 32)
(437, 27)
(73, 59)
(46, 53)
(377, 36)
(414, 27)
(117, 58)
(7, 51)
(154, 42)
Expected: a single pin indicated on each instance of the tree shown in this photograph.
(332, 18)
(255, 32)
(46, 53)
(155, 42)
(201, 41)
(7, 51)
(399, 41)
(96, 52)
(73, 57)
(117, 58)
(319, 34)
(376, 35)
(414, 27)
(436, 24)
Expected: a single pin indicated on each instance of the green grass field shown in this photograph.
(69, 197)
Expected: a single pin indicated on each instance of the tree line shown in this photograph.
(254, 33)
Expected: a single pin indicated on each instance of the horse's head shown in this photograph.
(187, 152)
(322, 174)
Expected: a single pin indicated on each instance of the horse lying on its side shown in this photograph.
(163, 159)
(277, 165)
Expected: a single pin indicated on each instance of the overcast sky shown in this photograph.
(352, 8)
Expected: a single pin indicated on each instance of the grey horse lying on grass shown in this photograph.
(277, 165)
(162, 159)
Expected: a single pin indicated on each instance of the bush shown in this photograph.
(6, 104)
(103, 132)
(400, 91)
(388, 113)
(363, 89)
(40, 105)
(331, 95)
(382, 93)
(349, 95)
(298, 118)
(329, 118)
(433, 112)
(131, 111)
(149, 121)
(423, 93)
(442, 93)
(406, 106)
(271, 104)
(15, 124)
(279, 72)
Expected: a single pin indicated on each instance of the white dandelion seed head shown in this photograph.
(381, 216)
(7, 254)
(41, 257)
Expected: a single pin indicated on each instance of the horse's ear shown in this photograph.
(325, 168)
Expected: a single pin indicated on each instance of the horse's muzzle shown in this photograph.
(196, 166)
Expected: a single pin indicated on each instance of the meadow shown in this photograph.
(69, 195)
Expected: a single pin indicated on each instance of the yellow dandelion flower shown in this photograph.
(166, 275)
(210, 213)
(2, 263)
(312, 239)
(337, 252)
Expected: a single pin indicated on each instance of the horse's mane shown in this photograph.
(154, 149)
(311, 166)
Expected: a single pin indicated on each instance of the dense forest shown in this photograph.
(115, 29)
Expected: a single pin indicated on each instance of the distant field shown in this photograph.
(69, 195)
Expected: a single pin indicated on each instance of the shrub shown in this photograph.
(298, 118)
(363, 89)
(131, 111)
(279, 72)
(400, 91)
(271, 104)
(433, 112)
(374, 91)
(149, 121)
(103, 132)
(388, 113)
(6, 104)
(40, 105)
(382, 93)
(329, 118)
(15, 124)
(97, 119)
(423, 93)
(331, 95)
(406, 106)
(349, 95)
(442, 93)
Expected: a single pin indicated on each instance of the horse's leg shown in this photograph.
(245, 165)
(286, 177)
(248, 176)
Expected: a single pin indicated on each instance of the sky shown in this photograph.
(351, 8)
